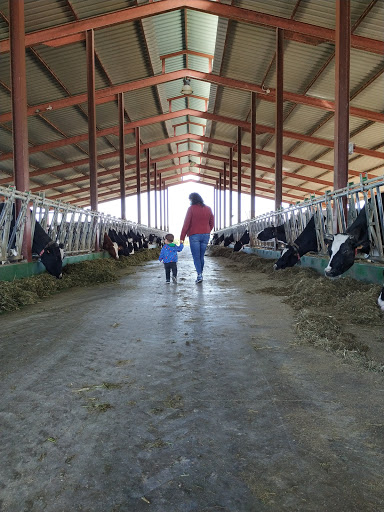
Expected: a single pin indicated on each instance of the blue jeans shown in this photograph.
(198, 244)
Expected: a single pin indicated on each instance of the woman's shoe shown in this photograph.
(199, 278)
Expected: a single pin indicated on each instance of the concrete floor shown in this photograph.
(141, 396)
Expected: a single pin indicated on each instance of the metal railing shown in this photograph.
(76, 228)
(333, 213)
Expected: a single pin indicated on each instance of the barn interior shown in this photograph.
(253, 391)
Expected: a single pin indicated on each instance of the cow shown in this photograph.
(305, 242)
(228, 240)
(380, 300)
(271, 232)
(111, 247)
(50, 253)
(217, 240)
(242, 241)
(343, 247)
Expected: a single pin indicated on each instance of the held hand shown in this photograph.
(182, 241)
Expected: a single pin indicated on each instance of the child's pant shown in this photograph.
(168, 267)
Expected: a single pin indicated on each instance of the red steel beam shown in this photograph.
(109, 94)
(218, 9)
(130, 128)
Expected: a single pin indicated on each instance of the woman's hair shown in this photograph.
(196, 198)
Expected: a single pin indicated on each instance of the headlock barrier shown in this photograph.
(76, 228)
(333, 213)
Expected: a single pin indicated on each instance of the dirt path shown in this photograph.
(140, 396)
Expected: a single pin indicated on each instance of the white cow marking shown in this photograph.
(115, 246)
(380, 302)
(338, 240)
(62, 254)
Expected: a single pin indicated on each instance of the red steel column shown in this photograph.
(155, 191)
(164, 216)
(239, 174)
(230, 185)
(214, 208)
(167, 210)
(279, 118)
(149, 185)
(19, 112)
(90, 43)
(220, 192)
(160, 204)
(122, 154)
(225, 194)
(138, 180)
(342, 59)
(253, 153)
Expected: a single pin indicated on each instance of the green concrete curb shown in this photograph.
(367, 272)
(13, 271)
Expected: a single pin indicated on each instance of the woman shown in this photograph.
(198, 224)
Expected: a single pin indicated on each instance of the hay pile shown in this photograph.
(326, 310)
(21, 292)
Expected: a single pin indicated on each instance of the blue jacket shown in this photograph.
(169, 252)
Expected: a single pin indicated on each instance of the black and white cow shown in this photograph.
(380, 300)
(343, 247)
(242, 241)
(228, 240)
(271, 232)
(50, 253)
(305, 242)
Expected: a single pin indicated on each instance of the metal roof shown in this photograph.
(131, 48)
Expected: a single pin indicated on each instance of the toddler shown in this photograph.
(168, 256)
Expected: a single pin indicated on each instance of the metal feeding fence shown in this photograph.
(334, 212)
(76, 228)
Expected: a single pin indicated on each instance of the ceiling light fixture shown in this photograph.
(186, 89)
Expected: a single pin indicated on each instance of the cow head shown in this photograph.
(267, 234)
(289, 257)
(111, 247)
(52, 259)
(342, 250)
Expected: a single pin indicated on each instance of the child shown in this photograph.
(168, 255)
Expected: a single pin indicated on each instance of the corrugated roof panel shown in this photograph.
(371, 137)
(169, 29)
(122, 52)
(233, 103)
(152, 132)
(89, 8)
(141, 104)
(372, 25)
(71, 120)
(6, 142)
(301, 63)
(321, 13)
(107, 115)
(4, 27)
(69, 63)
(40, 131)
(174, 63)
(364, 66)
(275, 7)
(324, 87)
(249, 51)
(201, 29)
(68, 153)
(42, 160)
(41, 14)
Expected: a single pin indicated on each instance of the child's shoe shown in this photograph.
(167, 282)
(174, 279)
